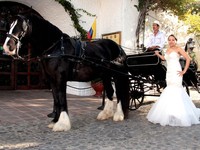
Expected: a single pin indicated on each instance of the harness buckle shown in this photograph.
(62, 47)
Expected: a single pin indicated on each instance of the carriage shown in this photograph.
(67, 59)
(147, 75)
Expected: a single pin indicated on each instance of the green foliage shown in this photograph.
(186, 10)
(178, 7)
(192, 18)
(69, 8)
(194, 22)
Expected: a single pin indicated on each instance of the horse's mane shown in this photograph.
(43, 33)
(46, 28)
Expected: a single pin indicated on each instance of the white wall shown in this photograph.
(51, 11)
(112, 16)
(91, 7)
(130, 20)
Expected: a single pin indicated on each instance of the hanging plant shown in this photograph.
(69, 8)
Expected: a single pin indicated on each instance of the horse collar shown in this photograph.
(80, 49)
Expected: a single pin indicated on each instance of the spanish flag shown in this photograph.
(92, 32)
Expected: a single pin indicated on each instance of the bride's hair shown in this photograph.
(173, 36)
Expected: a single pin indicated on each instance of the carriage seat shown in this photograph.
(144, 59)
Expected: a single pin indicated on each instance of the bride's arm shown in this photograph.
(187, 58)
(158, 54)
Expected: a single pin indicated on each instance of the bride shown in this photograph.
(174, 106)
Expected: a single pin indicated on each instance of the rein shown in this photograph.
(80, 57)
(43, 54)
(97, 62)
(78, 46)
(54, 44)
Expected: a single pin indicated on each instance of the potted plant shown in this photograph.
(97, 85)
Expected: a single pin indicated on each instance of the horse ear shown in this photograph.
(25, 25)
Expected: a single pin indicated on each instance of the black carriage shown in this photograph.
(148, 75)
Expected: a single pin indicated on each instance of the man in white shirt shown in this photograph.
(156, 40)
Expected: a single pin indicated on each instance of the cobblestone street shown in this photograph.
(23, 125)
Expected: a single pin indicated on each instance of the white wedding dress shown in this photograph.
(174, 107)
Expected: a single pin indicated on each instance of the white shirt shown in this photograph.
(158, 40)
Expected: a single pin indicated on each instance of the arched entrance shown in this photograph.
(15, 74)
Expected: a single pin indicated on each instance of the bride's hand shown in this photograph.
(180, 73)
(157, 53)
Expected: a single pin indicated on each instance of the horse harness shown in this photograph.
(79, 57)
(78, 45)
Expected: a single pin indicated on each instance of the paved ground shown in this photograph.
(23, 125)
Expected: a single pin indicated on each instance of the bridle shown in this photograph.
(27, 30)
(25, 27)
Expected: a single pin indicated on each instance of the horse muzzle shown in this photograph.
(7, 51)
(13, 53)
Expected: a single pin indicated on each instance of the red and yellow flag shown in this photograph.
(92, 32)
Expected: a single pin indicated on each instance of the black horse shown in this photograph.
(67, 59)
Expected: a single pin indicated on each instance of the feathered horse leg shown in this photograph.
(108, 110)
(61, 122)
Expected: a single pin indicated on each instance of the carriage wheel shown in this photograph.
(198, 80)
(185, 86)
(136, 94)
(196, 86)
(196, 83)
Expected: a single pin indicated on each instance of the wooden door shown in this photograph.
(15, 74)
(28, 74)
(6, 73)
(20, 75)
(6, 63)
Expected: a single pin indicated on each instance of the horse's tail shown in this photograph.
(123, 93)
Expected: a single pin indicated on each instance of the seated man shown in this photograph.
(156, 40)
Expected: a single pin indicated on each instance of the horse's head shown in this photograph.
(18, 30)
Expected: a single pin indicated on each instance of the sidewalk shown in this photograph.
(18, 106)
(23, 125)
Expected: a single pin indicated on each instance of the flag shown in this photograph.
(92, 32)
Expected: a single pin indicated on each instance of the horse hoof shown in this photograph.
(52, 115)
(101, 107)
(126, 114)
(63, 123)
(103, 115)
(51, 125)
(118, 117)
(61, 127)
(126, 117)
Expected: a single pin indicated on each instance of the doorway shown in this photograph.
(16, 74)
